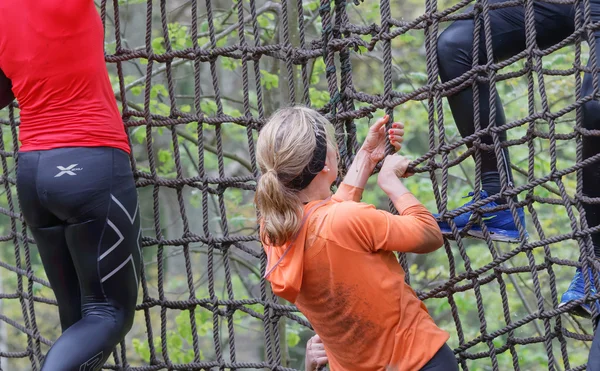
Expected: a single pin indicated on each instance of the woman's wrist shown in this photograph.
(391, 185)
(360, 170)
(387, 181)
(364, 158)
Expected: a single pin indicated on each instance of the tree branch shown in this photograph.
(212, 149)
(213, 97)
(187, 136)
(269, 6)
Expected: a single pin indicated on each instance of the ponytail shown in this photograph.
(280, 208)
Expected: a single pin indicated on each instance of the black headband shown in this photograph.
(316, 164)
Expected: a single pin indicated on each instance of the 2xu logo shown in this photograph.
(69, 170)
(92, 363)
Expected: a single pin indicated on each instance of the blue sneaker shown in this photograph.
(500, 224)
(575, 292)
(462, 219)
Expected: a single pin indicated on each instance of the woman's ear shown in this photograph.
(330, 160)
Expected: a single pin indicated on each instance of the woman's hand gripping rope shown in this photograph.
(375, 142)
(316, 358)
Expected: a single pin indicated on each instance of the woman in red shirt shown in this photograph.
(75, 184)
(334, 257)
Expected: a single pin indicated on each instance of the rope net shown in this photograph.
(194, 90)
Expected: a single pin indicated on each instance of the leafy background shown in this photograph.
(427, 272)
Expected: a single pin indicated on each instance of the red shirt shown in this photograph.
(53, 52)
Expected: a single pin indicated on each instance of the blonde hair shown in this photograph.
(285, 146)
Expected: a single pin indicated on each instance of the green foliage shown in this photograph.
(178, 37)
(230, 63)
(269, 80)
(208, 106)
(165, 157)
(179, 342)
(318, 71)
(312, 5)
(266, 21)
(292, 334)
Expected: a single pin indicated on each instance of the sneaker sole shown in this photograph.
(577, 311)
(495, 236)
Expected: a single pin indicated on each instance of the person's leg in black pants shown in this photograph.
(594, 355)
(81, 206)
(49, 233)
(455, 58)
(553, 24)
(591, 176)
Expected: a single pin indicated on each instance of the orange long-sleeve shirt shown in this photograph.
(342, 274)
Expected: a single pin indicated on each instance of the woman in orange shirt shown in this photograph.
(333, 256)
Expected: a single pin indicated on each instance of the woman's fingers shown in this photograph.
(396, 141)
(380, 123)
(321, 361)
(317, 348)
(407, 174)
(394, 164)
(319, 353)
(315, 353)
(396, 135)
(396, 132)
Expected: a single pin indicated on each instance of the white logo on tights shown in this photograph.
(92, 363)
(69, 170)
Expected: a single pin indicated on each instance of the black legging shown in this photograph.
(81, 206)
(444, 360)
(594, 356)
(553, 24)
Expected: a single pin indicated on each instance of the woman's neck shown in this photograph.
(314, 192)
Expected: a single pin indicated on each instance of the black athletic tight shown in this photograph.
(594, 357)
(443, 360)
(82, 209)
(553, 23)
